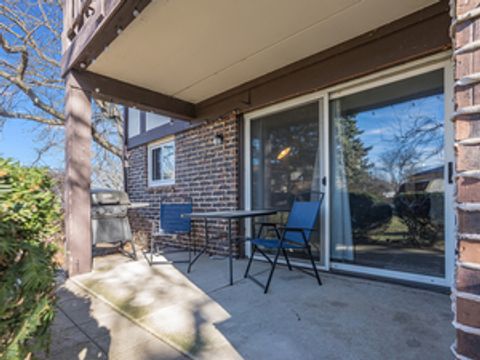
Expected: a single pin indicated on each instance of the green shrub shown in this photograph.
(30, 218)
(422, 213)
(367, 213)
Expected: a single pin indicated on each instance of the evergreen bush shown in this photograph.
(367, 213)
(422, 213)
(30, 219)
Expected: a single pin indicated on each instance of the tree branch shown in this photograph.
(104, 143)
(29, 72)
(25, 116)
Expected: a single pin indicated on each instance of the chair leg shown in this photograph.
(273, 269)
(313, 265)
(134, 251)
(254, 248)
(286, 259)
(151, 249)
(189, 247)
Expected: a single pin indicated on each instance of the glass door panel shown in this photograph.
(285, 162)
(387, 168)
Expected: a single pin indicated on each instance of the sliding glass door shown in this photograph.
(388, 170)
(285, 161)
(382, 152)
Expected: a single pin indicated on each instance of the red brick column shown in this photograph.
(78, 142)
(466, 289)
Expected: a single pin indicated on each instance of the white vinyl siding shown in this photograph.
(154, 121)
(133, 122)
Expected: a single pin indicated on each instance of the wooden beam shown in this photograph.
(78, 143)
(414, 36)
(105, 88)
(99, 31)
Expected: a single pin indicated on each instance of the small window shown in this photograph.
(161, 163)
(154, 121)
(133, 122)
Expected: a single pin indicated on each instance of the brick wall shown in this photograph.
(206, 172)
(466, 291)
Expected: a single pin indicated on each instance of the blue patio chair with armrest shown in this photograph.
(294, 236)
(171, 224)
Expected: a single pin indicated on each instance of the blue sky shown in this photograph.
(18, 141)
(380, 124)
(20, 138)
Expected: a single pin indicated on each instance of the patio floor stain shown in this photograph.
(125, 305)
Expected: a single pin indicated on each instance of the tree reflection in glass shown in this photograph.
(387, 163)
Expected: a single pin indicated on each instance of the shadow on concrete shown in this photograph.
(75, 332)
(346, 318)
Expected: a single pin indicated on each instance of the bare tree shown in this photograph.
(31, 88)
(415, 139)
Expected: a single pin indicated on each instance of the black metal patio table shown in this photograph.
(229, 216)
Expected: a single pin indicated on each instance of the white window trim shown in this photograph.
(404, 71)
(158, 144)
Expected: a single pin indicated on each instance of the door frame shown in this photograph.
(320, 99)
(323, 97)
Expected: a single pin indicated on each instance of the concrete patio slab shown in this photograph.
(346, 318)
(88, 328)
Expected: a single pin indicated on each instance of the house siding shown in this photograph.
(206, 172)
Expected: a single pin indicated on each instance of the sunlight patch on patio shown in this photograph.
(346, 318)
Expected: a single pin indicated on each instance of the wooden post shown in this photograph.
(466, 289)
(78, 142)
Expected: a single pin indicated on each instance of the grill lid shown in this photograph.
(109, 197)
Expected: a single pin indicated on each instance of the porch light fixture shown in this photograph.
(283, 154)
(218, 139)
(83, 65)
(135, 13)
(119, 30)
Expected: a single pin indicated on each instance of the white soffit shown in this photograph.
(194, 49)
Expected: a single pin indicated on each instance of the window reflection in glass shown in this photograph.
(285, 160)
(161, 159)
(387, 163)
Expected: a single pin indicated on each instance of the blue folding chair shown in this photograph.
(171, 223)
(294, 236)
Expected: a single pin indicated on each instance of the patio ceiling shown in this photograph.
(193, 50)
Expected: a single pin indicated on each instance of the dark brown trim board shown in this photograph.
(174, 127)
(143, 122)
(126, 120)
(102, 87)
(78, 171)
(412, 37)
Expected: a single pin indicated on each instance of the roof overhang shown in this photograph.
(192, 51)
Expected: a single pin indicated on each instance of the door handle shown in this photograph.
(324, 181)
(450, 172)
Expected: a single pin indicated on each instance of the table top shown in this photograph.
(137, 205)
(230, 214)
